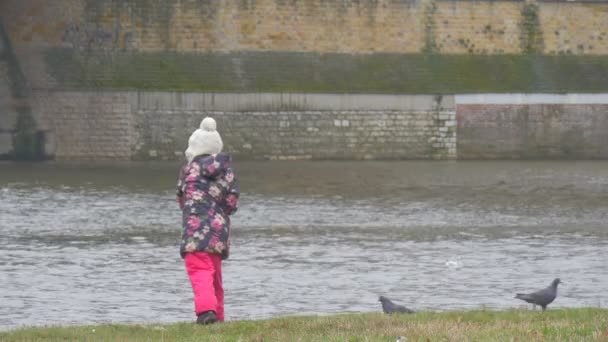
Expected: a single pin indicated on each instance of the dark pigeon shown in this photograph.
(389, 307)
(542, 297)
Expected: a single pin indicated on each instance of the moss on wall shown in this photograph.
(430, 44)
(329, 73)
(531, 35)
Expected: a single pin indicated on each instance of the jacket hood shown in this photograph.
(213, 165)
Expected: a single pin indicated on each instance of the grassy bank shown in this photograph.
(481, 325)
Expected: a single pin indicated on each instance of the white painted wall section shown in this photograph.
(531, 99)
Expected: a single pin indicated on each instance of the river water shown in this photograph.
(98, 243)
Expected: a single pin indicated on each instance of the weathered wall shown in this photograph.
(98, 78)
(316, 26)
(18, 128)
(581, 29)
(329, 73)
(156, 125)
(488, 27)
(495, 126)
(7, 114)
(86, 125)
(312, 46)
(149, 125)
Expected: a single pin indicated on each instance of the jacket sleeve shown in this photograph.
(231, 202)
(179, 191)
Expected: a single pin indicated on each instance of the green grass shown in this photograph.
(480, 325)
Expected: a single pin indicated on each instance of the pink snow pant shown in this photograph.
(205, 272)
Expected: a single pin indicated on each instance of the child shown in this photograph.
(207, 193)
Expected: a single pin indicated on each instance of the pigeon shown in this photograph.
(389, 307)
(542, 297)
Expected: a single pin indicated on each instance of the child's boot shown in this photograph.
(207, 317)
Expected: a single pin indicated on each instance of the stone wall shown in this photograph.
(7, 114)
(499, 126)
(19, 136)
(288, 135)
(580, 29)
(152, 125)
(484, 27)
(104, 79)
(310, 46)
(86, 125)
(368, 26)
(298, 72)
(156, 125)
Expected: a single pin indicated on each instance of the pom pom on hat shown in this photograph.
(205, 140)
(208, 124)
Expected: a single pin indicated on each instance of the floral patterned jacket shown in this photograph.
(207, 193)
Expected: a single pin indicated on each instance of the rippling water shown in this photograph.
(94, 243)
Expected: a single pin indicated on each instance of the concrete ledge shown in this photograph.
(513, 99)
(285, 101)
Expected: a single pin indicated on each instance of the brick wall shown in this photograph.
(288, 135)
(581, 29)
(86, 125)
(148, 125)
(299, 126)
(484, 27)
(315, 26)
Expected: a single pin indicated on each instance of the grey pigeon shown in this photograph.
(390, 307)
(542, 297)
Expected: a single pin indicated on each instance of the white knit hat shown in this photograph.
(205, 140)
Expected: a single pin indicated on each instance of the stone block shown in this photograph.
(49, 142)
(6, 143)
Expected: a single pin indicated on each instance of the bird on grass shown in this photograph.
(542, 297)
(389, 307)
